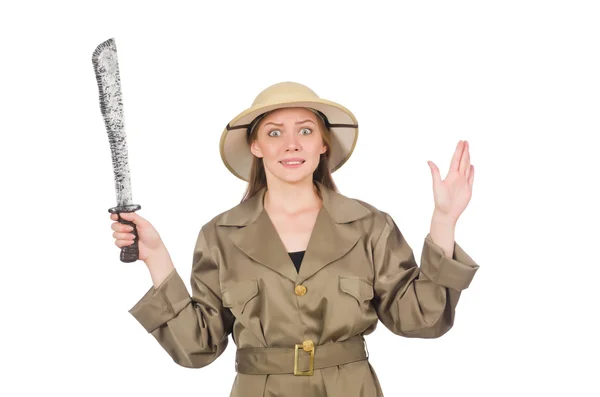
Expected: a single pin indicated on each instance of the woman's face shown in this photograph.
(289, 134)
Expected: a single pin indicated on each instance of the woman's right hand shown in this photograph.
(149, 240)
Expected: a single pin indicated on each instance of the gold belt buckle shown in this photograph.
(307, 346)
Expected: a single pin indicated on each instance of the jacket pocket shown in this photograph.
(237, 296)
(357, 287)
(243, 300)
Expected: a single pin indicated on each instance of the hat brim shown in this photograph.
(236, 154)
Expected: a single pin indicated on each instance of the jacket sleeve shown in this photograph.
(194, 329)
(417, 302)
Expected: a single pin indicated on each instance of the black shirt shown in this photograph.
(297, 258)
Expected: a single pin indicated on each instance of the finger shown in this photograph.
(467, 162)
(472, 176)
(456, 157)
(435, 172)
(123, 236)
(465, 159)
(120, 227)
(122, 243)
(128, 216)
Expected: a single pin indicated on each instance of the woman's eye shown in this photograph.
(304, 131)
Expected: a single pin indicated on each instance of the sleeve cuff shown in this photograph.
(159, 305)
(456, 272)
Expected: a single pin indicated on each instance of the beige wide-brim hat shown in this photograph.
(343, 125)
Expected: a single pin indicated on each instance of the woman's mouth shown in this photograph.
(292, 163)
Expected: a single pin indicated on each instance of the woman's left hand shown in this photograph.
(452, 195)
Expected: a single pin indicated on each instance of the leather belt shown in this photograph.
(300, 360)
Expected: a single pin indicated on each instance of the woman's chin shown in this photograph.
(292, 178)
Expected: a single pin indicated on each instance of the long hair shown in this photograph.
(258, 178)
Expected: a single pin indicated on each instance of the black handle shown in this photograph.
(129, 253)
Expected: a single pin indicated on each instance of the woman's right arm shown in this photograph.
(194, 329)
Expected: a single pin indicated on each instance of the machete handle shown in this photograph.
(129, 253)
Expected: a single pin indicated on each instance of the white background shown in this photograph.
(518, 79)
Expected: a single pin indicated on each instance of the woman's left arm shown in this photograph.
(442, 233)
(420, 301)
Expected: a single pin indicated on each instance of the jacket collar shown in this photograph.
(341, 208)
(332, 237)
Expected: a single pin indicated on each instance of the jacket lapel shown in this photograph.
(332, 237)
(334, 233)
(261, 242)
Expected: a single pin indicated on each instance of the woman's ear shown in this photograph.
(255, 149)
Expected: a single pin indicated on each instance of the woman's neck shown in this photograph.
(292, 199)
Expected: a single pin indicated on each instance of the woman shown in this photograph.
(297, 272)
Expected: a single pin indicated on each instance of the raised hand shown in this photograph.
(452, 195)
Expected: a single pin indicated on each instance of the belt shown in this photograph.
(287, 360)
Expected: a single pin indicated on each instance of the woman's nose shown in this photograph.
(291, 141)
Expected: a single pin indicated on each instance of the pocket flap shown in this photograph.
(239, 294)
(359, 288)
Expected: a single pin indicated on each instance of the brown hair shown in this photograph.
(258, 178)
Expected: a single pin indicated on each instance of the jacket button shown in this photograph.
(308, 345)
(300, 290)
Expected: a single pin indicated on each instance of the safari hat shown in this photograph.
(343, 125)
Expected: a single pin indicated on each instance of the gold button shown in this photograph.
(300, 290)
(308, 345)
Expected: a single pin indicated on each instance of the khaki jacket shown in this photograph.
(357, 269)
